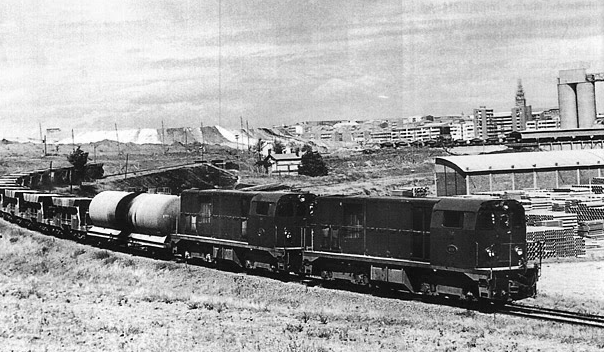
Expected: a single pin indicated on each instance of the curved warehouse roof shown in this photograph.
(508, 162)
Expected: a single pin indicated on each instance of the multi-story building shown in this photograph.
(542, 120)
(484, 123)
(295, 130)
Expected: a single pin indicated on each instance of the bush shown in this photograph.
(312, 164)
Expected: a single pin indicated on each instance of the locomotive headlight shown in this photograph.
(287, 233)
(490, 252)
(518, 251)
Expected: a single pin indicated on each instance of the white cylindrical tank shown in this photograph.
(109, 209)
(586, 104)
(154, 214)
(567, 102)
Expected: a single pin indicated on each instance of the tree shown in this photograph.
(306, 148)
(278, 147)
(78, 158)
(258, 147)
(312, 164)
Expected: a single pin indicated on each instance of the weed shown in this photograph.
(78, 252)
(467, 314)
(128, 263)
(323, 333)
(219, 307)
(132, 330)
(305, 317)
(194, 305)
(110, 260)
(100, 255)
(166, 266)
(294, 328)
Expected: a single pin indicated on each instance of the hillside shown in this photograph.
(59, 295)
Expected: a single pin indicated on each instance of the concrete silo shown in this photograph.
(567, 102)
(586, 104)
(577, 98)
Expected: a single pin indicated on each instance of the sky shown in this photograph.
(94, 64)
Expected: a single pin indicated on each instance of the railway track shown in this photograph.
(513, 309)
(556, 315)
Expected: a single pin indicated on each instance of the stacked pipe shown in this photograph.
(551, 242)
(591, 229)
(568, 220)
(587, 210)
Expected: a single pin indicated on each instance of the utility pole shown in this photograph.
(72, 140)
(219, 62)
(247, 131)
(43, 138)
(241, 129)
(117, 138)
(126, 169)
(202, 142)
(163, 137)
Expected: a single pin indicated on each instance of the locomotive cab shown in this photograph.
(278, 219)
(500, 235)
(486, 238)
(474, 233)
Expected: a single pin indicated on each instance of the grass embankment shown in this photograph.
(58, 295)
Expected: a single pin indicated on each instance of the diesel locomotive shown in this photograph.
(468, 248)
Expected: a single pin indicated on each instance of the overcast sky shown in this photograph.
(89, 64)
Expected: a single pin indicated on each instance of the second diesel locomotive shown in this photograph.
(470, 248)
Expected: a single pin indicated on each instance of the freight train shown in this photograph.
(466, 248)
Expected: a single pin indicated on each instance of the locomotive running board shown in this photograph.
(366, 258)
(313, 255)
(231, 243)
(104, 232)
(148, 240)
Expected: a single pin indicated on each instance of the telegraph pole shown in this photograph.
(163, 137)
(117, 139)
(247, 131)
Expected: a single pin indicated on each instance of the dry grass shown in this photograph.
(59, 295)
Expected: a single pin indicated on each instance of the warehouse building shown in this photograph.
(471, 174)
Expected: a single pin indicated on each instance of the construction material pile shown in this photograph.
(559, 221)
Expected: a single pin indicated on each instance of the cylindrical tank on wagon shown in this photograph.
(586, 104)
(109, 209)
(154, 214)
(567, 102)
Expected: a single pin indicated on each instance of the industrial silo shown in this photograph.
(586, 104)
(567, 101)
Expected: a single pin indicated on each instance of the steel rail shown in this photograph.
(550, 314)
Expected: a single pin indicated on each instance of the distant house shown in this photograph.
(284, 163)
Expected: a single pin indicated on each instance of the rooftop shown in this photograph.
(508, 162)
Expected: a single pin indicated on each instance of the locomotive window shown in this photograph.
(353, 220)
(301, 209)
(205, 213)
(192, 223)
(486, 220)
(262, 208)
(285, 209)
(452, 218)
(517, 218)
